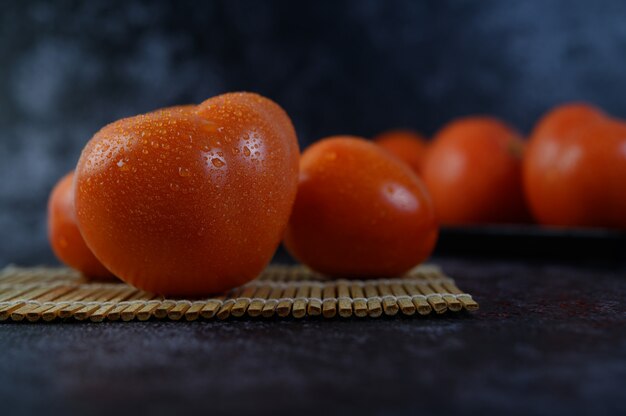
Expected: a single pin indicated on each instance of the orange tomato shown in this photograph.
(63, 233)
(359, 212)
(407, 145)
(190, 201)
(575, 168)
(182, 107)
(473, 173)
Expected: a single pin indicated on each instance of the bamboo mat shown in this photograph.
(44, 293)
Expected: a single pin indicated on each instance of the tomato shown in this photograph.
(407, 145)
(575, 168)
(359, 212)
(473, 173)
(63, 233)
(189, 201)
(177, 108)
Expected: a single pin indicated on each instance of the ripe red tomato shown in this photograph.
(575, 168)
(407, 145)
(189, 201)
(359, 212)
(63, 233)
(473, 173)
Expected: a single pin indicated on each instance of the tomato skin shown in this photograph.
(473, 173)
(65, 239)
(359, 212)
(407, 145)
(190, 202)
(575, 169)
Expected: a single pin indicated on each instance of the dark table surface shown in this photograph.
(549, 339)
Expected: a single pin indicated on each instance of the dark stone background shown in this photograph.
(67, 68)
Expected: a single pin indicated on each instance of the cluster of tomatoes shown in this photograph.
(193, 200)
(571, 172)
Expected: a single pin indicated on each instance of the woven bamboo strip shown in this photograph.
(130, 312)
(404, 300)
(39, 312)
(283, 308)
(436, 301)
(193, 312)
(13, 293)
(270, 306)
(243, 301)
(179, 309)
(147, 310)
(464, 298)
(390, 305)
(29, 296)
(227, 305)
(163, 308)
(256, 305)
(452, 302)
(374, 307)
(210, 309)
(22, 276)
(51, 293)
(344, 302)
(359, 303)
(115, 313)
(418, 298)
(79, 294)
(436, 282)
(329, 303)
(300, 302)
(100, 295)
(117, 296)
(99, 313)
(314, 308)
(29, 308)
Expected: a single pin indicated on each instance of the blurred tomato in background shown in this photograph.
(473, 172)
(407, 145)
(575, 168)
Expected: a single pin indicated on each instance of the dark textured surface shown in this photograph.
(549, 339)
(68, 67)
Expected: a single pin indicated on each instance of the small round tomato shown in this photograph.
(575, 168)
(407, 145)
(63, 233)
(359, 212)
(473, 173)
(189, 201)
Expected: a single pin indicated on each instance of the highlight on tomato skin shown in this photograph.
(190, 201)
(473, 171)
(407, 145)
(64, 236)
(575, 168)
(359, 212)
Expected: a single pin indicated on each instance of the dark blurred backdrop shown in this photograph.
(68, 68)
